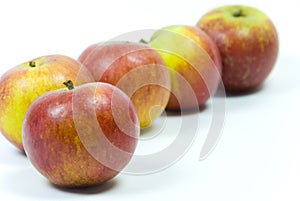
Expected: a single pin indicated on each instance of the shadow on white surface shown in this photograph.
(258, 89)
(192, 111)
(98, 189)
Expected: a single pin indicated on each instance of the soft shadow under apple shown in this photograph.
(101, 188)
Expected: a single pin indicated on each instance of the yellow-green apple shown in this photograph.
(193, 60)
(81, 136)
(21, 85)
(248, 43)
(136, 69)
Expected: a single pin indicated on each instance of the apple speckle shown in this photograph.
(246, 74)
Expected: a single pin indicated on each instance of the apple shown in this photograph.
(82, 136)
(21, 85)
(136, 69)
(248, 43)
(194, 62)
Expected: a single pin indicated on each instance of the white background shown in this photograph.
(257, 157)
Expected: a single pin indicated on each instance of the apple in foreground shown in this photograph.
(136, 69)
(194, 62)
(82, 136)
(248, 43)
(21, 85)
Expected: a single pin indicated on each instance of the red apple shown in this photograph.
(21, 85)
(82, 136)
(248, 42)
(136, 69)
(194, 63)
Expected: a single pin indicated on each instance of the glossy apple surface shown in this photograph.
(248, 43)
(136, 69)
(82, 136)
(21, 85)
(194, 63)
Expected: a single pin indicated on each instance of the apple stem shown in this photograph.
(238, 13)
(69, 84)
(32, 64)
(143, 41)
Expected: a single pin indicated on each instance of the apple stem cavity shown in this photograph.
(238, 13)
(69, 84)
(32, 64)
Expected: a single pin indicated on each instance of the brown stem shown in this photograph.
(238, 13)
(69, 84)
(143, 41)
(32, 64)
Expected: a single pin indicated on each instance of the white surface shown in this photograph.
(257, 157)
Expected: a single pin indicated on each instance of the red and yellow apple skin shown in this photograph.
(21, 85)
(248, 43)
(136, 69)
(193, 60)
(83, 136)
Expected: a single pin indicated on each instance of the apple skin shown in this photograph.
(193, 60)
(21, 85)
(136, 69)
(248, 43)
(83, 136)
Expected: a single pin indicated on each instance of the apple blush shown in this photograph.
(194, 64)
(21, 85)
(248, 43)
(136, 69)
(82, 136)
